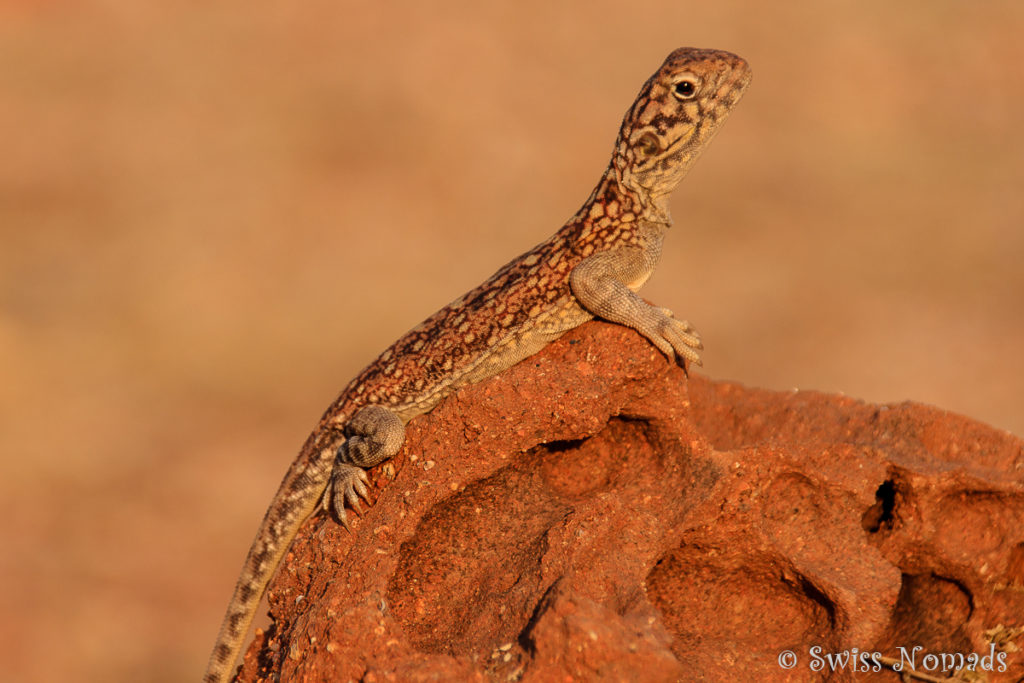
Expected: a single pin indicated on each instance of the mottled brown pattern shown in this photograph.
(427, 362)
(525, 305)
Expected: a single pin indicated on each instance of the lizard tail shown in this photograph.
(295, 501)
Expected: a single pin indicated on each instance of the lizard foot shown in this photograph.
(348, 485)
(373, 435)
(676, 338)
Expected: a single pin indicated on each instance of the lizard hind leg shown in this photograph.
(373, 435)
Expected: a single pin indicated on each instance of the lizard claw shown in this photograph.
(343, 519)
(348, 485)
(353, 503)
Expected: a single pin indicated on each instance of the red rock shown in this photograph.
(591, 514)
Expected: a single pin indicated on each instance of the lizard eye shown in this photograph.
(685, 89)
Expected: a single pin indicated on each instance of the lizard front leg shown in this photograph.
(602, 283)
(373, 435)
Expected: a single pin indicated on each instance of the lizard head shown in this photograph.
(676, 114)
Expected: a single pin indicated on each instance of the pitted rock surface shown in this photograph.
(594, 514)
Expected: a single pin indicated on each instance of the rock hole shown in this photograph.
(563, 446)
(931, 612)
(880, 515)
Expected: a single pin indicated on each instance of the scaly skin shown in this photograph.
(590, 268)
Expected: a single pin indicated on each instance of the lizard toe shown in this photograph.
(342, 516)
(348, 485)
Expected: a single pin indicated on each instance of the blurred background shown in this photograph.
(212, 217)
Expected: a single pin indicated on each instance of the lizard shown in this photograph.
(591, 268)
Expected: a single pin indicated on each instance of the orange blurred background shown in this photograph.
(212, 217)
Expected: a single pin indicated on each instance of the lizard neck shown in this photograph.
(648, 206)
(615, 198)
(614, 214)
